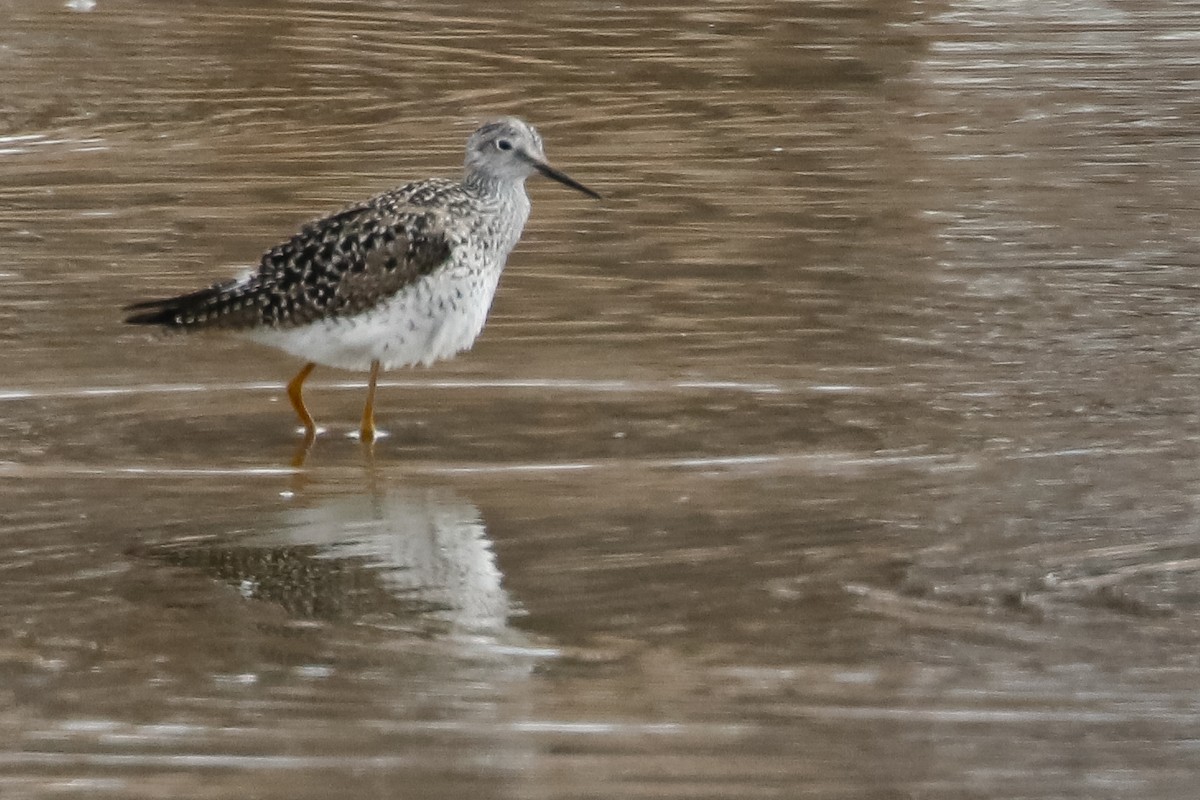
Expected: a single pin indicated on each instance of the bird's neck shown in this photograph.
(485, 185)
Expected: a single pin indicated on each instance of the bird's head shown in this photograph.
(510, 149)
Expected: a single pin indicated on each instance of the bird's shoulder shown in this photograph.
(410, 220)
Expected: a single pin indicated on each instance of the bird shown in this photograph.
(406, 277)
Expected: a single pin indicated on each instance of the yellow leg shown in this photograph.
(368, 419)
(295, 394)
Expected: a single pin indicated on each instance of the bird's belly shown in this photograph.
(430, 320)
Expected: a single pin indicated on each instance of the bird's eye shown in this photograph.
(504, 144)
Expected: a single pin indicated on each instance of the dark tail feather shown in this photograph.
(172, 312)
(158, 315)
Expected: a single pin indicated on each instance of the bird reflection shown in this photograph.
(401, 556)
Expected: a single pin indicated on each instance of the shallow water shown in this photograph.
(848, 448)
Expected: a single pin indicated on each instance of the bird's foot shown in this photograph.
(367, 436)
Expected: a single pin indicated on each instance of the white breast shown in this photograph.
(439, 315)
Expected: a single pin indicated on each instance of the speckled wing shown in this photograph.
(342, 265)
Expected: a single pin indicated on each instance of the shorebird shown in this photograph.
(403, 278)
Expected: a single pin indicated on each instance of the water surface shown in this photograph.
(847, 448)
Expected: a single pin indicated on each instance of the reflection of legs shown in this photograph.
(295, 394)
(368, 419)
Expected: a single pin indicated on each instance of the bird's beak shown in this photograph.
(563, 178)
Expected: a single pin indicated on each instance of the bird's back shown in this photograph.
(339, 265)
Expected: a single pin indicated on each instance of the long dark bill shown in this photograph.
(563, 178)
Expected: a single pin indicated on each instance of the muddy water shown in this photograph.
(848, 448)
